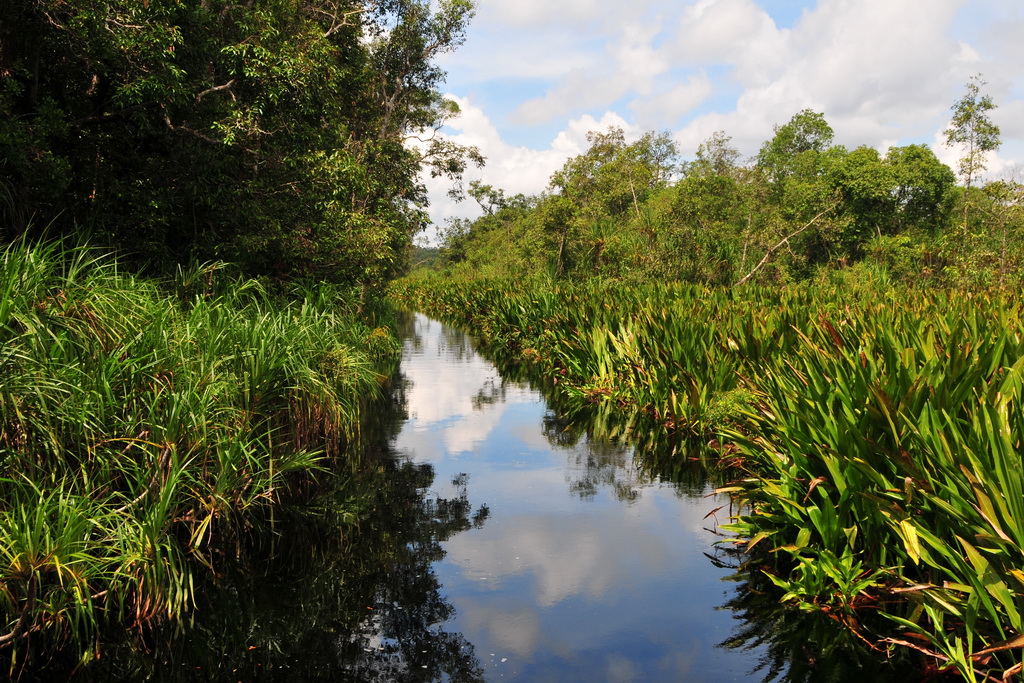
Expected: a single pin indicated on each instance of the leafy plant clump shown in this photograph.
(144, 425)
(879, 433)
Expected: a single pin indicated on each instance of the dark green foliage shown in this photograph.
(272, 135)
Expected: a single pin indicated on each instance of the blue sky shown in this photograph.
(534, 76)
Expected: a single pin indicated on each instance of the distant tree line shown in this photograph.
(803, 208)
(274, 134)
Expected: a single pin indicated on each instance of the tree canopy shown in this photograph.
(803, 208)
(272, 134)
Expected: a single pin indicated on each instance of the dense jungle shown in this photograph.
(209, 212)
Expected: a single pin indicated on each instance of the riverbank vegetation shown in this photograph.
(147, 425)
(153, 412)
(802, 210)
(879, 435)
(842, 327)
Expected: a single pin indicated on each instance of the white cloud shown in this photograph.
(883, 72)
(528, 40)
(629, 64)
(581, 88)
(636, 58)
(735, 32)
(595, 16)
(1010, 119)
(880, 70)
(490, 57)
(515, 169)
(534, 13)
(877, 56)
(667, 107)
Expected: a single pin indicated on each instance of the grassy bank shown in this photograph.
(144, 424)
(880, 432)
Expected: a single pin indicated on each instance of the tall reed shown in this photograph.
(142, 423)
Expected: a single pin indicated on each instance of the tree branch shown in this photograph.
(343, 20)
(785, 240)
(196, 133)
(113, 116)
(216, 88)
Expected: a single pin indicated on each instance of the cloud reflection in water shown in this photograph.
(586, 568)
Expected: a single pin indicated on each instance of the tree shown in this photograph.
(800, 205)
(1005, 206)
(807, 132)
(711, 214)
(921, 190)
(490, 198)
(613, 176)
(972, 130)
(598, 192)
(893, 206)
(716, 155)
(866, 185)
(274, 134)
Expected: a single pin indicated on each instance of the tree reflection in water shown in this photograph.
(403, 636)
(307, 596)
(625, 453)
(603, 463)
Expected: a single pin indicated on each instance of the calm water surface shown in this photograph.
(495, 541)
(582, 568)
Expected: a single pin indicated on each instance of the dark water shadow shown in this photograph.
(308, 595)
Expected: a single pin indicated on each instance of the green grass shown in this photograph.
(143, 424)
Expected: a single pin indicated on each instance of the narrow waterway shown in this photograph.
(580, 567)
(481, 536)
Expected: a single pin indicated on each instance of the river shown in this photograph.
(496, 540)
(585, 569)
